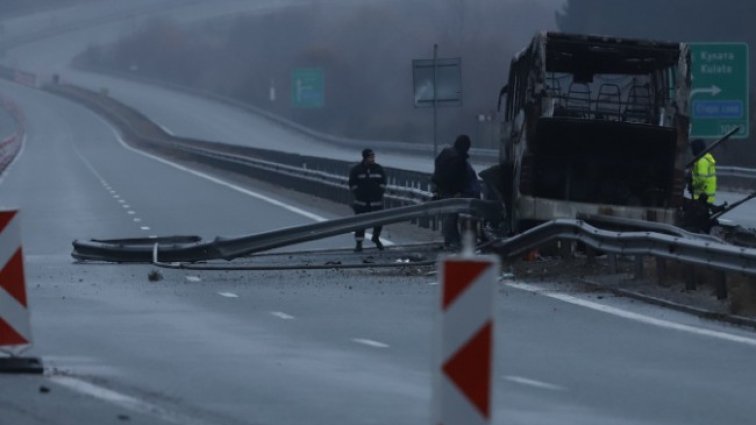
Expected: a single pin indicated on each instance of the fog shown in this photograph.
(365, 51)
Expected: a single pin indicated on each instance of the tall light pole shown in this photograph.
(435, 95)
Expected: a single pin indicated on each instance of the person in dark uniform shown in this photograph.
(453, 177)
(367, 182)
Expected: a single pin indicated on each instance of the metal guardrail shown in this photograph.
(700, 252)
(322, 172)
(418, 181)
(741, 172)
(324, 177)
(484, 155)
(166, 250)
(397, 193)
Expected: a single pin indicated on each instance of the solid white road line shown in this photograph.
(635, 316)
(215, 180)
(370, 343)
(228, 294)
(533, 383)
(282, 315)
(123, 400)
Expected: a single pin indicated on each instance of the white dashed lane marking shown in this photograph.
(370, 343)
(110, 189)
(228, 294)
(533, 383)
(193, 279)
(282, 315)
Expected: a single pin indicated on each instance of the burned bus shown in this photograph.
(594, 126)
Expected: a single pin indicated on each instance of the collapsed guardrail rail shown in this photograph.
(695, 251)
(187, 249)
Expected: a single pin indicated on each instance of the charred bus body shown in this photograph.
(594, 126)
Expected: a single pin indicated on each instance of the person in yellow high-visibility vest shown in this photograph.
(703, 174)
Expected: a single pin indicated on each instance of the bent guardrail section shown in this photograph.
(143, 251)
(694, 251)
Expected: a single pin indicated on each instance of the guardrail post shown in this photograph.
(638, 267)
(691, 279)
(661, 271)
(721, 285)
(565, 249)
(613, 263)
(590, 255)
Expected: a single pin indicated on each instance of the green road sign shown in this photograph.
(307, 88)
(719, 98)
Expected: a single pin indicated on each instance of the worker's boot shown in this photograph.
(358, 247)
(377, 242)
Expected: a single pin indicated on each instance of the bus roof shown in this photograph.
(606, 55)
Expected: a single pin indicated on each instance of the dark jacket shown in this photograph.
(450, 174)
(367, 183)
(472, 184)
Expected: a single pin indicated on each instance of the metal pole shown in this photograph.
(712, 146)
(435, 118)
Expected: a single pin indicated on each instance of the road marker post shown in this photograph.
(463, 366)
(15, 324)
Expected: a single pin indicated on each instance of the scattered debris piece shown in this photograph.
(154, 276)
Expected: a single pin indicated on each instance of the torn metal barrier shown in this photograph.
(183, 250)
(626, 224)
(697, 251)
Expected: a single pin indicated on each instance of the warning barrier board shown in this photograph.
(464, 365)
(15, 328)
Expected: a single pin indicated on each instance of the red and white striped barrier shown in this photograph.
(15, 327)
(464, 366)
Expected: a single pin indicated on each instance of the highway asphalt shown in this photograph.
(301, 347)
